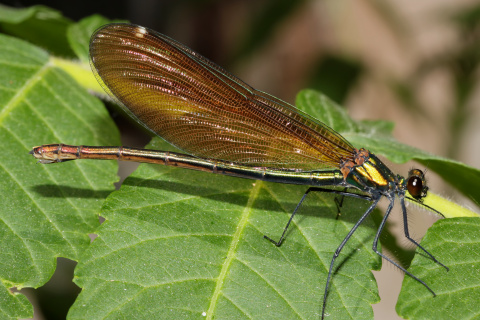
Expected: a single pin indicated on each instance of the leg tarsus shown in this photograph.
(339, 249)
(407, 235)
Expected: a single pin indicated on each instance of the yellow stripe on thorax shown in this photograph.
(370, 172)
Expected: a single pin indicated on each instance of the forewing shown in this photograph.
(204, 110)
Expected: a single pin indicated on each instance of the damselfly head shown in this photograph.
(417, 184)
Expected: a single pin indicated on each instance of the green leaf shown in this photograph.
(376, 137)
(177, 243)
(455, 243)
(39, 25)
(180, 244)
(79, 34)
(45, 211)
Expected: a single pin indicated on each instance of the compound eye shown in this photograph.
(416, 184)
(415, 187)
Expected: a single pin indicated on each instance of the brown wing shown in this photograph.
(204, 110)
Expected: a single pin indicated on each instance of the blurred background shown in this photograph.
(413, 63)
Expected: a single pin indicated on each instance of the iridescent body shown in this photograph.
(227, 127)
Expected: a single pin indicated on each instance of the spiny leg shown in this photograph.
(407, 234)
(316, 189)
(375, 246)
(340, 247)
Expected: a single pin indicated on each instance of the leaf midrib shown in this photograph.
(232, 248)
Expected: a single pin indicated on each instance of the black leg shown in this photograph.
(420, 203)
(340, 247)
(316, 189)
(339, 203)
(407, 234)
(375, 245)
(279, 242)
